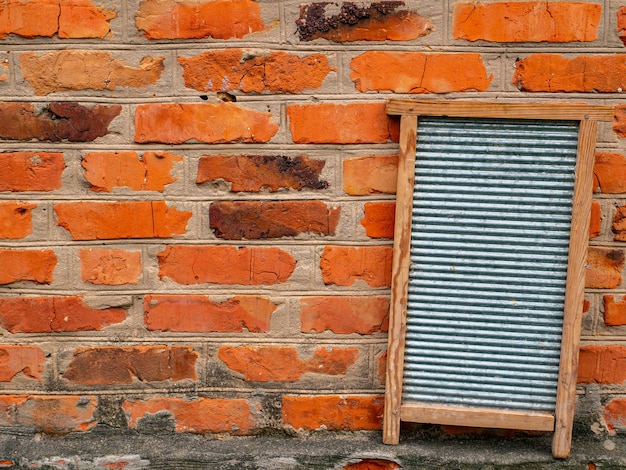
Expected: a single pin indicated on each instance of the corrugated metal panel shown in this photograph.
(490, 238)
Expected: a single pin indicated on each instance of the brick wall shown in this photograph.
(196, 199)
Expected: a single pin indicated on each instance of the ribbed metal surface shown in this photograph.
(490, 237)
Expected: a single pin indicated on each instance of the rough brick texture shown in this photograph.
(344, 266)
(379, 219)
(604, 268)
(373, 174)
(16, 219)
(14, 360)
(27, 265)
(110, 267)
(602, 364)
(344, 315)
(31, 171)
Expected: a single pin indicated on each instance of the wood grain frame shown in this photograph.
(561, 420)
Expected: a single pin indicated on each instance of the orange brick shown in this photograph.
(111, 365)
(372, 464)
(254, 72)
(332, 412)
(188, 19)
(330, 123)
(130, 219)
(555, 73)
(619, 224)
(210, 123)
(621, 23)
(344, 315)
(602, 364)
(417, 72)
(110, 267)
(200, 415)
(225, 265)
(526, 21)
(16, 219)
(609, 173)
(31, 171)
(595, 226)
(150, 172)
(343, 265)
(379, 219)
(27, 265)
(198, 313)
(614, 312)
(27, 360)
(604, 268)
(54, 315)
(83, 19)
(614, 414)
(370, 174)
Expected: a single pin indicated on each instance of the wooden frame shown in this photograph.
(561, 420)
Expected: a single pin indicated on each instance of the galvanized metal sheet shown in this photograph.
(489, 244)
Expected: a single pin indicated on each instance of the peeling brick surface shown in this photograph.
(31, 171)
(27, 360)
(344, 315)
(604, 267)
(110, 267)
(371, 174)
(16, 219)
(344, 265)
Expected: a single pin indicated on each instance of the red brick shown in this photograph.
(67, 18)
(225, 265)
(609, 173)
(333, 413)
(614, 414)
(188, 19)
(237, 220)
(124, 365)
(31, 171)
(27, 360)
(129, 219)
(58, 414)
(54, 315)
(621, 23)
(555, 73)
(56, 122)
(343, 265)
(379, 21)
(198, 313)
(526, 21)
(60, 71)
(148, 172)
(614, 312)
(595, 225)
(16, 219)
(379, 219)
(210, 123)
(417, 72)
(253, 173)
(372, 464)
(282, 364)
(330, 123)
(110, 267)
(619, 224)
(604, 268)
(27, 265)
(371, 174)
(254, 72)
(602, 364)
(344, 315)
(201, 415)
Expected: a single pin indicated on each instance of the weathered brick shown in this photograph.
(330, 123)
(614, 414)
(379, 219)
(225, 265)
(333, 412)
(614, 312)
(16, 219)
(252, 71)
(621, 23)
(372, 464)
(110, 267)
(148, 172)
(381, 367)
(55, 122)
(210, 123)
(595, 225)
(555, 73)
(31, 171)
(526, 21)
(619, 224)
(27, 360)
(609, 173)
(110, 365)
(54, 315)
(378, 21)
(129, 219)
(602, 364)
(418, 72)
(72, 70)
(253, 173)
(344, 315)
(198, 313)
(343, 265)
(75, 19)
(372, 174)
(27, 265)
(282, 364)
(188, 19)
(237, 220)
(59, 414)
(201, 415)
(604, 267)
